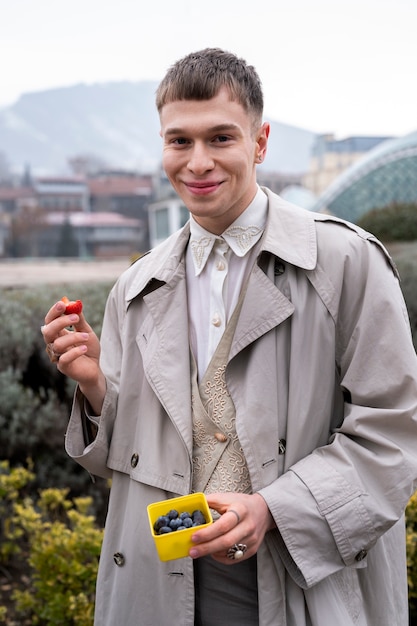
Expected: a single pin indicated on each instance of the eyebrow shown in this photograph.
(213, 129)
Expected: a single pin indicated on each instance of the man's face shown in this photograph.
(210, 154)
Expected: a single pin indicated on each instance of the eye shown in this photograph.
(222, 138)
(180, 141)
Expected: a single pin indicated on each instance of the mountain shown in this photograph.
(116, 122)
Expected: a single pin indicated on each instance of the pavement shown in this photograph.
(27, 272)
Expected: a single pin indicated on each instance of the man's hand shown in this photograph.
(72, 344)
(244, 520)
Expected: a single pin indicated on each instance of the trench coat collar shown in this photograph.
(290, 235)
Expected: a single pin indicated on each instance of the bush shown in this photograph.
(411, 517)
(396, 222)
(57, 543)
(35, 399)
(406, 261)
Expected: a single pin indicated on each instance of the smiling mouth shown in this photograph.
(201, 188)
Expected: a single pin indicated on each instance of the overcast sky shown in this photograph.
(342, 66)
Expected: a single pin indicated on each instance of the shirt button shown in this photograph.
(134, 460)
(220, 265)
(361, 555)
(216, 321)
(220, 437)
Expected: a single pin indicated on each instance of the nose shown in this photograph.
(200, 160)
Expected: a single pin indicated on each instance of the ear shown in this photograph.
(262, 142)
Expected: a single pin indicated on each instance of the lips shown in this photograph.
(202, 188)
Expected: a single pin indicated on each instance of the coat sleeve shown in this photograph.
(90, 446)
(332, 506)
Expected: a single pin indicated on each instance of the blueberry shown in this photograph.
(163, 520)
(198, 518)
(175, 523)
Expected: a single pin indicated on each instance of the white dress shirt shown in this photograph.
(216, 268)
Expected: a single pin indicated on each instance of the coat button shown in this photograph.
(134, 460)
(220, 437)
(282, 446)
(279, 267)
(119, 559)
(361, 555)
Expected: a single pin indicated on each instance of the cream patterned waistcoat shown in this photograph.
(218, 460)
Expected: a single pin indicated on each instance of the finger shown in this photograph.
(219, 546)
(234, 513)
(53, 356)
(221, 527)
(57, 327)
(55, 311)
(221, 502)
(81, 323)
(70, 340)
(68, 357)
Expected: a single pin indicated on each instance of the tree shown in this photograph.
(5, 174)
(87, 164)
(67, 243)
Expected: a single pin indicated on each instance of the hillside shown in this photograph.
(116, 122)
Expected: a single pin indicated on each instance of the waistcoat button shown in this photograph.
(220, 437)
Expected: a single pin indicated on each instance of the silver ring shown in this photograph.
(237, 551)
(236, 513)
(53, 356)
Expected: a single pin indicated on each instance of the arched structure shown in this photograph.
(387, 174)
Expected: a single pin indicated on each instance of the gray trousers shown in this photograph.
(226, 594)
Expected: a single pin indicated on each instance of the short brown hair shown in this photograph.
(200, 76)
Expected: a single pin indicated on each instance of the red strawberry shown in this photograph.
(73, 306)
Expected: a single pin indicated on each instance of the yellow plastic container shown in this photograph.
(177, 544)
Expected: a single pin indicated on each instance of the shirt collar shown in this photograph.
(241, 236)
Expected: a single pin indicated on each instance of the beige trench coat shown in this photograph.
(322, 358)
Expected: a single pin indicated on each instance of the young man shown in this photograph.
(262, 354)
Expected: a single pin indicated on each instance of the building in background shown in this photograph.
(63, 216)
(63, 194)
(165, 217)
(90, 235)
(385, 175)
(123, 192)
(330, 157)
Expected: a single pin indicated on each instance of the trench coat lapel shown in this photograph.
(264, 308)
(163, 341)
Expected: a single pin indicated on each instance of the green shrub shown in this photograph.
(64, 549)
(13, 484)
(411, 517)
(35, 399)
(396, 222)
(406, 261)
(60, 545)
